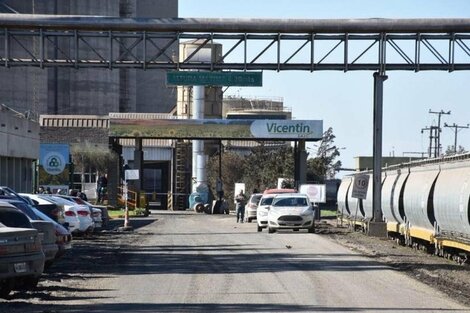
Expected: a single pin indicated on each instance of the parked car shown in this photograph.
(21, 257)
(96, 215)
(101, 220)
(70, 218)
(264, 205)
(46, 229)
(72, 211)
(63, 235)
(57, 213)
(262, 211)
(291, 211)
(251, 207)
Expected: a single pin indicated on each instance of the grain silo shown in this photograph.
(86, 91)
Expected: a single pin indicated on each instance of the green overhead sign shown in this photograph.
(243, 79)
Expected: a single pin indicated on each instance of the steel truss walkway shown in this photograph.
(308, 45)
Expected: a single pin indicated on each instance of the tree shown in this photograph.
(87, 156)
(324, 165)
(232, 172)
(450, 150)
(258, 170)
(265, 165)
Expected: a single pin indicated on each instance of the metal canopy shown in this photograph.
(249, 44)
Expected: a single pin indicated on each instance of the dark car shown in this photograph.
(54, 211)
(46, 229)
(63, 235)
(21, 257)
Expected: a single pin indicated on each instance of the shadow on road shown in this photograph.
(214, 307)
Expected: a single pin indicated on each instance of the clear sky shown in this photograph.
(344, 100)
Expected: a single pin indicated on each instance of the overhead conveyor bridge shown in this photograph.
(251, 44)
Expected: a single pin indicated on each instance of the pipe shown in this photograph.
(199, 164)
(372, 25)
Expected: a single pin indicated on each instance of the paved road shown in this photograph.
(200, 263)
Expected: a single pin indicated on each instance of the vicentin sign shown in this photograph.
(288, 129)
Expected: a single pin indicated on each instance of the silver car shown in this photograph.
(291, 211)
(251, 207)
(22, 259)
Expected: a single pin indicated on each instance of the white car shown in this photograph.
(97, 218)
(74, 211)
(263, 209)
(291, 211)
(70, 218)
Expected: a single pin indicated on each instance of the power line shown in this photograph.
(456, 130)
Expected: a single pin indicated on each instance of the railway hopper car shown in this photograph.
(425, 205)
(392, 198)
(343, 190)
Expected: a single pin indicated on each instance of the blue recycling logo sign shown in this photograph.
(54, 158)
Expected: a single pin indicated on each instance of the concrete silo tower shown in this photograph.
(86, 90)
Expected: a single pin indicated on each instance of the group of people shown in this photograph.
(71, 192)
(101, 190)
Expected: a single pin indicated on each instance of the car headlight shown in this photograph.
(263, 213)
(307, 212)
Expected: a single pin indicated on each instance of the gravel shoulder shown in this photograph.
(442, 274)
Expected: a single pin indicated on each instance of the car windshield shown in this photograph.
(26, 209)
(291, 201)
(255, 199)
(43, 216)
(14, 218)
(266, 201)
(58, 200)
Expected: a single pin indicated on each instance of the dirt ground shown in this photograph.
(69, 279)
(440, 273)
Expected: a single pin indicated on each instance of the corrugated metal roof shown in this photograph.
(251, 144)
(88, 121)
(142, 116)
(130, 142)
(150, 154)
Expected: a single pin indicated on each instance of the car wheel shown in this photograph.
(5, 289)
(29, 283)
(48, 264)
(312, 229)
(249, 220)
(271, 230)
(199, 208)
(260, 229)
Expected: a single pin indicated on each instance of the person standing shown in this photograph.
(240, 199)
(101, 186)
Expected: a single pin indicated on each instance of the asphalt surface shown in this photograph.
(183, 262)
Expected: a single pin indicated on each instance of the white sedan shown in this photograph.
(262, 211)
(291, 211)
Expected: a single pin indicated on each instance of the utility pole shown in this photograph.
(433, 131)
(456, 130)
(438, 135)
